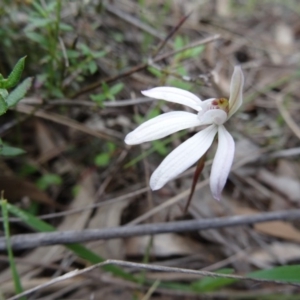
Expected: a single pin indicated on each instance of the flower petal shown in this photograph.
(175, 95)
(236, 90)
(162, 126)
(213, 116)
(222, 162)
(183, 157)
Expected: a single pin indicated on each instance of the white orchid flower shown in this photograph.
(213, 112)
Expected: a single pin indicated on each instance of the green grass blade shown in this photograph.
(78, 249)
(210, 284)
(15, 275)
(283, 273)
(93, 258)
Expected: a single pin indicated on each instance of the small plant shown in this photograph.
(103, 159)
(48, 180)
(44, 28)
(107, 93)
(65, 61)
(88, 57)
(9, 99)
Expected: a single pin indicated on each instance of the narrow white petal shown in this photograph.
(175, 95)
(222, 162)
(236, 90)
(213, 116)
(162, 126)
(183, 157)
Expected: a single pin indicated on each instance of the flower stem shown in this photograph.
(198, 171)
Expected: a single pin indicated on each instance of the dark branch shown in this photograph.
(26, 241)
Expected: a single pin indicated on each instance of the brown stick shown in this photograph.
(26, 241)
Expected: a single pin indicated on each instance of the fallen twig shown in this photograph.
(106, 134)
(27, 241)
(150, 268)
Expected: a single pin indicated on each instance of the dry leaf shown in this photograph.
(50, 143)
(284, 37)
(279, 229)
(277, 252)
(25, 188)
(163, 245)
(223, 8)
(44, 139)
(245, 148)
(108, 216)
(288, 186)
(287, 168)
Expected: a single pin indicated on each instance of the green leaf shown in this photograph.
(38, 38)
(155, 72)
(27, 169)
(179, 42)
(99, 54)
(190, 53)
(73, 53)
(117, 88)
(75, 190)
(182, 71)
(92, 67)
(10, 151)
(19, 92)
(13, 267)
(57, 92)
(209, 284)
(3, 93)
(105, 88)
(118, 37)
(197, 51)
(180, 84)
(85, 49)
(102, 160)
(3, 105)
(160, 147)
(99, 98)
(40, 9)
(111, 147)
(15, 75)
(154, 112)
(65, 27)
(47, 180)
(37, 22)
(284, 273)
